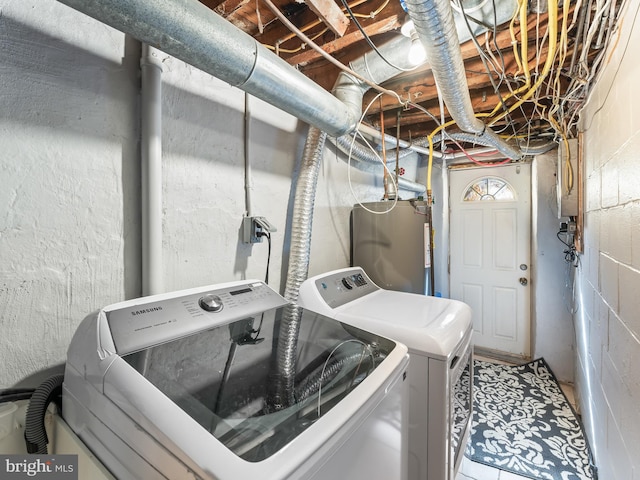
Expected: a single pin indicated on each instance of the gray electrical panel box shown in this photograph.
(567, 179)
(393, 248)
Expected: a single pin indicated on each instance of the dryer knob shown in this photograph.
(211, 303)
(346, 284)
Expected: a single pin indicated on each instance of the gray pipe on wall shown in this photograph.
(195, 34)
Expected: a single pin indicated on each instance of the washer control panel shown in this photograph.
(153, 320)
(345, 286)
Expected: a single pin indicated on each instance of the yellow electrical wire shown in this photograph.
(563, 55)
(524, 45)
(523, 59)
(514, 41)
(550, 60)
(430, 164)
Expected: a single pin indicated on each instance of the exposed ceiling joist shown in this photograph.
(562, 92)
(329, 12)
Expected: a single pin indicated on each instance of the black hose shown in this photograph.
(35, 434)
(15, 394)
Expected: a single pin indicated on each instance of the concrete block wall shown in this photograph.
(70, 181)
(551, 276)
(608, 322)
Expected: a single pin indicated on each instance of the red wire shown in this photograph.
(478, 162)
(486, 154)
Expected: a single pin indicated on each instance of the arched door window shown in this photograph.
(489, 189)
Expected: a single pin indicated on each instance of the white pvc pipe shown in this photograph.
(248, 207)
(151, 159)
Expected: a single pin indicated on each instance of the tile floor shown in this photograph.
(476, 471)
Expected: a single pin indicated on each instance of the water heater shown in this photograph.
(393, 247)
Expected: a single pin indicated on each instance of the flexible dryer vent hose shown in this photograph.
(281, 391)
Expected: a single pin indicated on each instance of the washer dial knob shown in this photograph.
(211, 303)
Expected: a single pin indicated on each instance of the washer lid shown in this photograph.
(425, 324)
(223, 377)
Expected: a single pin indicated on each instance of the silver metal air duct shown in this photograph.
(195, 34)
(361, 153)
(433, 21)
(370, 66)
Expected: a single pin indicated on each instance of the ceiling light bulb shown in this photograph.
(407, 28)
(417, 54)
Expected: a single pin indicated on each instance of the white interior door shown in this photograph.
(490, 253)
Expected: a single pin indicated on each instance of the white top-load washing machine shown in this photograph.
(438, 333)
(177, 386)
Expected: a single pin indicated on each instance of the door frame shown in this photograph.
(446, 237)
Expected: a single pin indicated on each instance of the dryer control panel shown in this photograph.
(344, 286)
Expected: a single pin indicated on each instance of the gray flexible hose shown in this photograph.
(281, 392)
(35, 434)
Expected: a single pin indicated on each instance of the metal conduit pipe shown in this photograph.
(361, 153)
(420, 145)
(434, 23)
(536, 149)
(366, 161)
(195, 34)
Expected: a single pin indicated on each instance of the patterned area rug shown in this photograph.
(523, 423)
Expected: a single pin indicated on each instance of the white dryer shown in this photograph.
(176, 386)
(438, 333)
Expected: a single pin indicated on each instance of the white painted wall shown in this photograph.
(551, 276)
(70, 221)
(608, 323)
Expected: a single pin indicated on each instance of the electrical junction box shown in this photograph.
(567, 179)
(254, 228)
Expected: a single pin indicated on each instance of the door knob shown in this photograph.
(523, 281)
